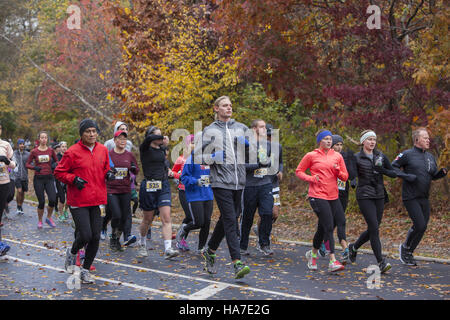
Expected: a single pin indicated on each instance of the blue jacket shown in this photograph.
(191, 174)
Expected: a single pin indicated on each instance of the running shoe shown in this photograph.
(384, 266)
(352, 252)
(20, 210)
(4, 248)
(345, 256)
(70, 261)
(149, 233)
(266, 250)
(142, 251)
(405, 256)
(92, 268)
(210, 259)
(312, 260)
(103, 234)
(50, 222)
(245, 252)
(6, 213)
(115, 246)
(182, 245)
(86, 277)
(334, 266)
(40, 225)
(323, 250)
(240, 270)
(170, 253)
(180, 233)
(130, 240)
(66, 214)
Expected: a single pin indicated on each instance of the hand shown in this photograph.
(166, 141)
(218, 156)
(37, 169)
(170, 173)
(5, 160)
(444, 170)
(242, 140)
(110, 175)
(280, 176)
(200, 182)
(133, 168)
(79, 182)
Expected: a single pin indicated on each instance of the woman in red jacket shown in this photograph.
(326, 166)
(83, 168)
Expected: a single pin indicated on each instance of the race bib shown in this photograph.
(260, 173)
(276, 199)
(43, 158)
(205, 179)
(3, 170)
(153, 186)
(341, 184)
(204, 167)
(121, 173)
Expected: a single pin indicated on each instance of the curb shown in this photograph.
(302, 243)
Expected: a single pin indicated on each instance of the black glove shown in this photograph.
(380, 169)
(79, 182)
(5, 160)
(353, 183)
(133, 168)
(111, 175)
(37, 169)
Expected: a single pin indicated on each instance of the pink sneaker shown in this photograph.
(312, 261)
(50, 222)
(40, 225)
(182, 245)
(335, 266)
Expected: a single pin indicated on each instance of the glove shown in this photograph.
(242, 140)
(218, 156)
(353, 183)
(200, 182)
(379, 169)
(133, 168)
(111, 175)
(37, 169)
(5, 160)
(79, 182)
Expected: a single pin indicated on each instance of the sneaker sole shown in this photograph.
(173, 255)
(242, 273)
(127, 243)
(206, 267)
(4, 251)
(400, 257)
(335, 270)
(389, 267)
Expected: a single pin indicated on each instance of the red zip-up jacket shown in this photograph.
(322, 164)
(79, 161)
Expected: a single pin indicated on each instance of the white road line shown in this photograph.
(287, 295)
(125, 284)
(208, 292)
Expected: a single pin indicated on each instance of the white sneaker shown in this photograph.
(170, 253)
(142, 251)
(312, 262)
(86, 277)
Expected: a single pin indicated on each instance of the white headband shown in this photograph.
(367, 135)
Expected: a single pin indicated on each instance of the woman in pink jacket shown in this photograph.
(326, 166)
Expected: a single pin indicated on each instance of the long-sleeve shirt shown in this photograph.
(191, 174)
(322, 164)
(42, 159)
(7, 151)
(178, 169)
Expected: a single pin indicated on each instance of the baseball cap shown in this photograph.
(118, 133)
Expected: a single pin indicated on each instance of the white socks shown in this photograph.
(167, 244)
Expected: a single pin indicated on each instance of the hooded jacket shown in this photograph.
(218, 137)
(109, 144)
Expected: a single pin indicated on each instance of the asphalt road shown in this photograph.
(34, 269)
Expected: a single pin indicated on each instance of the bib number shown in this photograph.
(121, 173)
(341, 184)
(153, 186)
(205, 180)
(43, 158)
(276, 199)
(3, 170)
(260, 173)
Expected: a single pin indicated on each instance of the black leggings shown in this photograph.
(12, 191)
(419, 212)
(326, 211)
(4, 191)
(200, 212)
(185, 206)
(45, 184)
(119, 206)
(372, 210)
(88, 224)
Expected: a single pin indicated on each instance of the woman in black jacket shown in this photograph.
(371, 165)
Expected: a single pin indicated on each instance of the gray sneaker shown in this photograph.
(245, 252)
(210, 259)
(86, 277)
(266, 250)
(71, 259)
(170, 253)
(180, 233)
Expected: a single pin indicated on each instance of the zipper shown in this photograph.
(234, 155)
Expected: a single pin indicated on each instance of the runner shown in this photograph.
(223, 140)
(119, 126)
(84, 168)
(21, 174)
(6, 162)
(258, 193)
(326, 166)
(43, 182)
(119, 191)
(419, 169)
(61, 187)
(371, 165)
(155, 190)
(338, 145)
(199, 196)
(177, 172)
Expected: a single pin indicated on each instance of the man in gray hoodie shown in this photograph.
(224, 148)
(117, 127)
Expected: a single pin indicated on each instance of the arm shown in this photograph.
(304, 164)
(399, 162)
(342, 173)
(187, 177)
(63, 170)
(134, 169)
(388, 169)
(350, 164)
(28, 165)
(176, 168)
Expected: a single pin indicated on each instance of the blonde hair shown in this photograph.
(219, 99)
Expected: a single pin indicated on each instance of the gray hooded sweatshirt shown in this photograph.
(229, 173)
(110, 143)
